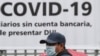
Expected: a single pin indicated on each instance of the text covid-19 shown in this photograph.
(46, 8)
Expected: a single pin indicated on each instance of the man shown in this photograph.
(55, 45)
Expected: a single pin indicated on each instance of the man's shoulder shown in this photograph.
(64, 53)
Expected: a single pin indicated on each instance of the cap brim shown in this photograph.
(43, 41)
(47, 41)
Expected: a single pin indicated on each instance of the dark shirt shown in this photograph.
(64, 53)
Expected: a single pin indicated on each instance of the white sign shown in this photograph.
(23, 23)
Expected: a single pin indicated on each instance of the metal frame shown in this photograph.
(35, 53)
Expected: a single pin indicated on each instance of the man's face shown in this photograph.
(58, 46)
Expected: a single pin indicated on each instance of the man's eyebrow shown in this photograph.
(50, 44)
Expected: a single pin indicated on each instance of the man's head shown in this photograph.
(57, 40)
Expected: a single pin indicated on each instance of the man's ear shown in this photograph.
(62, 45)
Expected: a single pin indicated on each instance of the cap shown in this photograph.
(54, 38)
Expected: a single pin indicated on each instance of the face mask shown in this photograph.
(50, 50)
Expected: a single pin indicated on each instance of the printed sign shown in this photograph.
(23, 23)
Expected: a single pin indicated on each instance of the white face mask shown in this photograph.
(50, 50)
